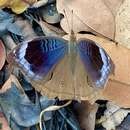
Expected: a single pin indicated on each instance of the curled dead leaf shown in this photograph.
(2, 54)
(94, 16)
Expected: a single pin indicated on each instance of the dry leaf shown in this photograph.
(17, 6)
(86, 114)
(26, 27)
(113, 116)
(92, 16)
(50, 30)
(113, 5)
(2, 54)
(123, 24)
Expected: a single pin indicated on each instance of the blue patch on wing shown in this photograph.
(97, 63)
(40, 55)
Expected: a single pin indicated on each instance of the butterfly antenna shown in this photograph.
(72, 29)
(72, 33)
(67, 20)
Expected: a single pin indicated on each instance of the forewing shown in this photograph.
(38, 57)
(97, 63)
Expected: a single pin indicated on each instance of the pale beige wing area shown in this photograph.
(65, 86)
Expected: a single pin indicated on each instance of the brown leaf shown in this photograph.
(92, 16)
(113, 5)
(123, 24)
(117, 92)
(2, 54)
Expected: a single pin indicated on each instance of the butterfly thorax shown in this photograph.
(72, 52)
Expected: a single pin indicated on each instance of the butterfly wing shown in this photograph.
(97, 63)
(37, 58)
(65, 85)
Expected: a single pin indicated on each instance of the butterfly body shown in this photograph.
(72, 52)
(61, 68)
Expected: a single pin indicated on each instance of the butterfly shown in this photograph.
(60, 68)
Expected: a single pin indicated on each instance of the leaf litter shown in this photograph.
(22, 20)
